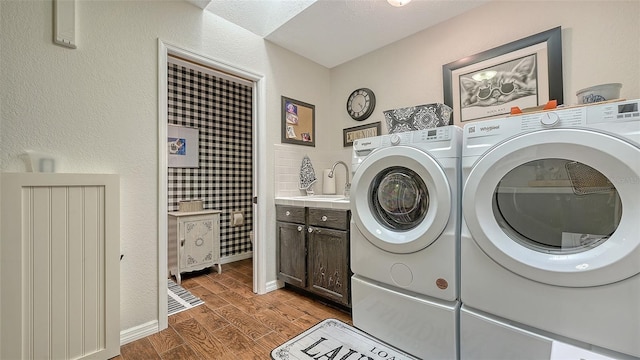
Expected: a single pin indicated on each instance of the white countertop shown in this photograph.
(315, 201)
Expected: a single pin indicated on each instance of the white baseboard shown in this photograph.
(236, 257)
(150, 328)
(274, 285)
(138, 332)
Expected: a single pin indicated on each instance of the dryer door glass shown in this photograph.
(557, 206)
(398, 198)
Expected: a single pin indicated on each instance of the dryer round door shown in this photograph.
(401, 199)
(560, 207)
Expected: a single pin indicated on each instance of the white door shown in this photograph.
(401, 199)
(561, 207)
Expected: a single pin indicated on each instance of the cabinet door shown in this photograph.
(329, 263)
(292, 253)
(197, 250)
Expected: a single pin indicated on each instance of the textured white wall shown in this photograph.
(96, 107)
(600, 45)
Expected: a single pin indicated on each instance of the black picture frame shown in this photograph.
(349, 135)
(298, 122)
(553, 40)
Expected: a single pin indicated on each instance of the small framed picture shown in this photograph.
(183, 147)
(298, 122)
(351, 134)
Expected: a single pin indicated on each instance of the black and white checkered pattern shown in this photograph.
(222, 111)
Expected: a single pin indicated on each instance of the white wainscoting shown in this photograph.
(60, 266)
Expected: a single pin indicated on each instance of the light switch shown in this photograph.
(64, 19)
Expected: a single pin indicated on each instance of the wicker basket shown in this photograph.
(190, 205)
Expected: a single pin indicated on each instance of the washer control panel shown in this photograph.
(428, 135)
(417, 137)
(404, 138)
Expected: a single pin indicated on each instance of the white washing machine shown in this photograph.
(550, 233)
(405, 228)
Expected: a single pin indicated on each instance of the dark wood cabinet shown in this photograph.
(292, 250)
(313, 254)
(292, 245)
(328, 263)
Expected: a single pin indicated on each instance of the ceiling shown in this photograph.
(332, 32)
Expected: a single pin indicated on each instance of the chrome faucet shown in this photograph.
(347, 185)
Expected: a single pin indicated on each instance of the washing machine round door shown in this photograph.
(401, 199)
(560, 207)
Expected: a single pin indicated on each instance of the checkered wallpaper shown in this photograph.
(222, 111)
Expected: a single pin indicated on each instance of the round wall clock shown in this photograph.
(361, 103)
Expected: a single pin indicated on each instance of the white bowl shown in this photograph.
(599, 93)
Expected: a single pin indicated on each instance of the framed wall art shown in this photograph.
(351, 134)
(183, 147)
(524, 73)
(298, 122)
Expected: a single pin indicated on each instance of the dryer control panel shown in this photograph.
(618, 111)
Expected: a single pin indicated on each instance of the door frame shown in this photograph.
(259, 167)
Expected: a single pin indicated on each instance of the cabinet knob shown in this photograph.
(324, 218)
(288, 213)
(310, 230)
(299, 228)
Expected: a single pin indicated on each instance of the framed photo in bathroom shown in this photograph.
(183, 148)
(351, 134)
(525, 73)
(298, 122)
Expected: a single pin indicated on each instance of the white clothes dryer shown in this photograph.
(405, 223)
(550, 233)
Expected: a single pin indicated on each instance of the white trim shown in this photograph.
(273, 285)
(260, 171)
(163, 163)
(237, 257)
(139, 332)
(219, 74)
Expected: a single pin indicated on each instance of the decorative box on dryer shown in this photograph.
(418, 117)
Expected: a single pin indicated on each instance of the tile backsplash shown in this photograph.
(288, 159)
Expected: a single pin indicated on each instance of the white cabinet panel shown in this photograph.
(194, 241)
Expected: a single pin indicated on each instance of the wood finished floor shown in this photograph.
(234, 323)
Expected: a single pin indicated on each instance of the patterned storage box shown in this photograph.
(418, 117)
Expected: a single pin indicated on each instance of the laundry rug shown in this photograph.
(179, 299)
(333, 339)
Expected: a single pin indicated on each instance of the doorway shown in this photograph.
(226, 143)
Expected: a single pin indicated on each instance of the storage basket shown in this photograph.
(417, 117)
(190, 205)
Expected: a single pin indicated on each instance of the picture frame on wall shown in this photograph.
(183, 147)
(298, 122)
(525, 73)
(352, 134)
